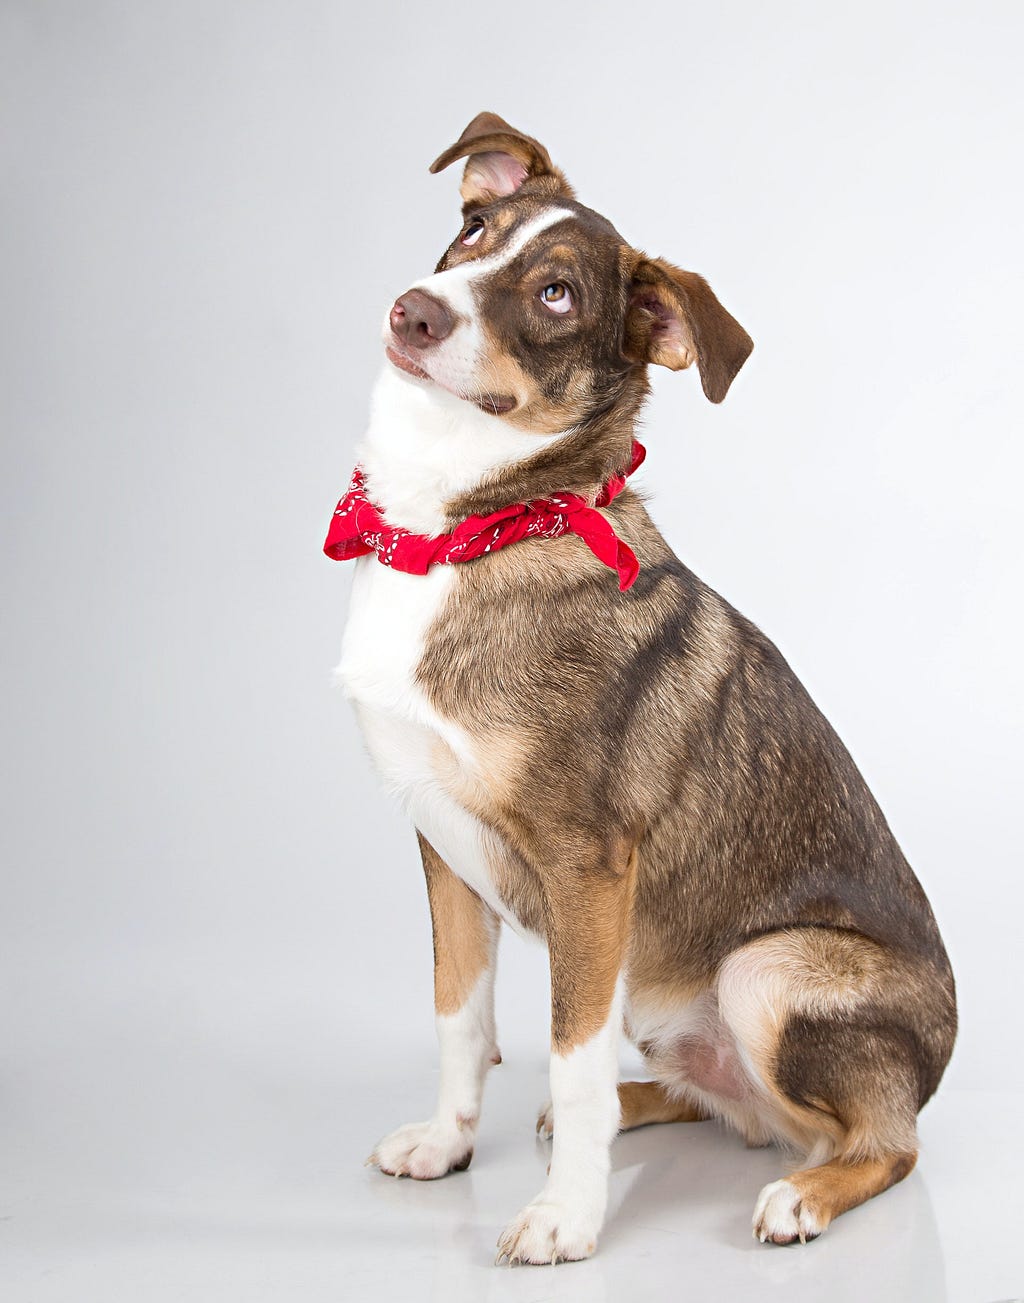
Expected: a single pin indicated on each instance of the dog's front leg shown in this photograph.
(587, 916)
(465, 946)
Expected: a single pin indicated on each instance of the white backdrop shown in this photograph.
(207, 208)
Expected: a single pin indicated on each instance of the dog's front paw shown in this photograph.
(546, 1122)
(782, 1215)
(545, 1233)
(424, 1151)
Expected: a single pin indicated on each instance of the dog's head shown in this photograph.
(539, 312)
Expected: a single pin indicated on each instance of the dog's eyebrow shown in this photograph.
(553, 255)
(520, 238)
(463, 273)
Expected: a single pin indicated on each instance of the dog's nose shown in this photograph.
(420, 320)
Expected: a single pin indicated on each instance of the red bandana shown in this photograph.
(359, 528)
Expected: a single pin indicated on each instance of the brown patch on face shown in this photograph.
(465, 932)
(560, 367)
(564, 365)
(544, 370)
(643, 1103)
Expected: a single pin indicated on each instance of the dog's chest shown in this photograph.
(390, 616)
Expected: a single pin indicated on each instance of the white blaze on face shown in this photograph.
(459, 362)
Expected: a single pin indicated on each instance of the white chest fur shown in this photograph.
(389, 615)
(423, 447)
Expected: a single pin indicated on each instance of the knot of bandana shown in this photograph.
(358, 528)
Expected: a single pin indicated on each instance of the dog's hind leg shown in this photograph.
(862, 1076)
(840, 1067)
(465, 944)
(799, 1207)
(646, 1102)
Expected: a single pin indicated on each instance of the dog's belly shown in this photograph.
(389, 616)
(686, 1043)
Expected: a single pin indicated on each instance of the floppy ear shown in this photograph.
(674, 319)
(500, 160)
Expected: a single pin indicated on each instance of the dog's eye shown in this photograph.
(473, 232)
(556, 297)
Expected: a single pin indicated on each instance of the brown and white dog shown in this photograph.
(637, 777)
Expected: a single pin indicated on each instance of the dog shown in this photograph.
(597, 749)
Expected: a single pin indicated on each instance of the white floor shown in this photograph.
(156, 1170)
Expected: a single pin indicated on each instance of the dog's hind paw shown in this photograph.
(781, 1215)
(544, 1234)
(424, 1151)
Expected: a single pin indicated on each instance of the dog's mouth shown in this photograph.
(492, 404)
(405, 364)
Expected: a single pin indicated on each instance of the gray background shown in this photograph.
(215, 962)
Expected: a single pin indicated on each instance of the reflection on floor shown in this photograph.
(245, 1188)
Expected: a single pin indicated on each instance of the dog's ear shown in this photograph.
(501, 159)
(674, 319)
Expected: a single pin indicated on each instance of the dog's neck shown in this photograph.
(426, 448)
(431, 459)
